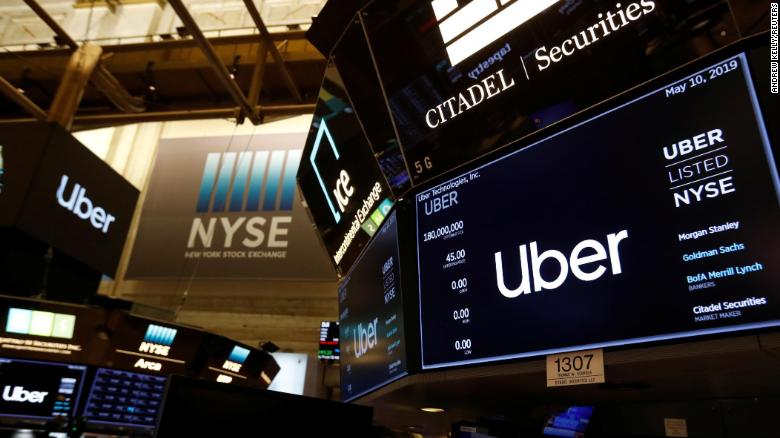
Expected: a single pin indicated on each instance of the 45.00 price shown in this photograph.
(456, 255)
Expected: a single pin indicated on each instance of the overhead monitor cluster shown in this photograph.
(662, 201)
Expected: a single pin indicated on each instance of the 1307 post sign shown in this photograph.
(575, 368)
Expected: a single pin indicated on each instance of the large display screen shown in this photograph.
(475, 75)
(59, 192)
(345, 190)
(657, 219)
(372, 320)
(40, 390)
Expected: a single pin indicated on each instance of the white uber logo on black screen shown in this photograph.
(364, 338)
(576, 263)
(79, 204)
(20, 395)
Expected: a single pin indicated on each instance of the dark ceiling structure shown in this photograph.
(180, 77)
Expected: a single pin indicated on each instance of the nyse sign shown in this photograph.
(226, 207)
(244, 178)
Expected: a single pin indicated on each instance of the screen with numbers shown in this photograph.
(654, 219)
(372, 320)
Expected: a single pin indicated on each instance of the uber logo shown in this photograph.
(581, 263)
(342, 189)
(19, 394)
(82, 206)
(466, 28)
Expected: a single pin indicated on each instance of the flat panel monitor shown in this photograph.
(58, 191)
(655, 218)
(372, 318)
(125, 399)
(329, 341)
(39, 390)
(345, 189)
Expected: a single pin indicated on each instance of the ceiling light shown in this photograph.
(432, 410)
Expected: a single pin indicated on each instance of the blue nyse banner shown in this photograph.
(222, 207)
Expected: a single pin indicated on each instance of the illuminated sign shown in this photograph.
(231, 367)
(493, 19)
(342, 190)
(236, 359)
(609, 23)
(147, 365)
(79, 204)
(154, 350)
(329, 341)
(19, 394)
(346, 193)
(469, 98)
(575, 263)
(246, 171)
(158, 341)
(37, 323)
(680, 228)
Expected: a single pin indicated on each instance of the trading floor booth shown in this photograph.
(88, 369)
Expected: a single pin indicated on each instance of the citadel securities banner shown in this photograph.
(476, 75)
(222, 207)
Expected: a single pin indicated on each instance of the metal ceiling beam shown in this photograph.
(82, 121)
(288, 79)
(216, 64)
(258, 73)
(53, 25)
(102, 79)
(23, 101)
(71, 89)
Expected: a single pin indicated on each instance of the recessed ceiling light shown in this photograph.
(432, 410)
